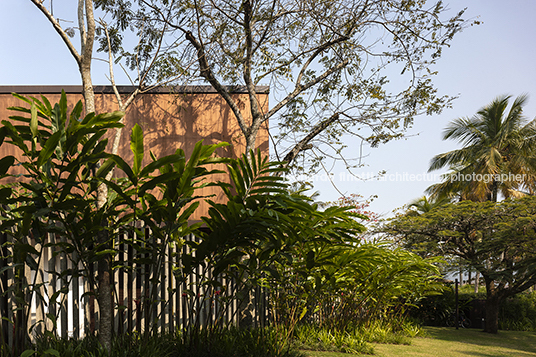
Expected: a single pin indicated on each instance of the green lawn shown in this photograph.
(450, 342)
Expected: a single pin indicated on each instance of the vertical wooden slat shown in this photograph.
(171, 287)
(116, 302)
(131, 289)
(184, 296)
(75, 284)
(52, 278)
(4, 300)
(146, 288)
(178, 292)
(123, 283)
(122, 287)
(38, 301)
(92, 306)
(69, 303)
(138, 284)
(63, 297)
(164, 297)
(156, 276)
(11, 300)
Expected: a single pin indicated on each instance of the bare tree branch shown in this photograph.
(58, 29)
(302, 144)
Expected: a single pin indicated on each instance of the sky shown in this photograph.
(495, 58)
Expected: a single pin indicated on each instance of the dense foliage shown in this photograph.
(497, 156)
(496, 239)
(374, 57)
(311, 262)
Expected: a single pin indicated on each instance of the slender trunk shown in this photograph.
(88, 93)
(469, 276)
(104, 298)
(494, 191)
(477, 278)
(250, 142)
(492, 308)
(104, 294)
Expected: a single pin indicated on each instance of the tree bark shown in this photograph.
(492, 308)
(304, 143)
(104, 294)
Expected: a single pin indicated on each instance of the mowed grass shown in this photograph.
(450, 342)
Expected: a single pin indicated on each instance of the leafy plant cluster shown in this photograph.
(356, 338)
(230, 342)
(438, 310)
(518, 313)
(311, 262)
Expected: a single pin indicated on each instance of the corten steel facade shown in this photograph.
(171, 118)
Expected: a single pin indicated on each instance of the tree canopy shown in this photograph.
(357, 67)
(497, 239)
(498, 153)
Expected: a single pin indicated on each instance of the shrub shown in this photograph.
(519, 312)
(232, 342)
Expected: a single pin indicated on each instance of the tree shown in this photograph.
(327, 64)
(497, 239)
(425, 204)
(58, 204)
(498, 154)
(93, 29)
(84, 57)
(60, 153)
(418, 207)
(89, 31)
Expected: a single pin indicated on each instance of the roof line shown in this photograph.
(192, 89)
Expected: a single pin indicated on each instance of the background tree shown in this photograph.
(496, 145)
(327, 64)
(425, 204)
(416, 208)
(497, 239)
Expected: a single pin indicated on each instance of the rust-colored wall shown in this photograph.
(170, 120)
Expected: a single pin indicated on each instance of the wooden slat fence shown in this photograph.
(60, 303)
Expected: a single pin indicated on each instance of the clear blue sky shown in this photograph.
(494, 58)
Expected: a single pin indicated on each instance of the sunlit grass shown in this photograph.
(442, 341)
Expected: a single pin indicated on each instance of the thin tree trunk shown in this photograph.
(104, 294)
(492, 308)
(469, 276)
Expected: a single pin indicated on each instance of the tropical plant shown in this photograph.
(53, 201)
(160, 198)
(56, 205)
(498, 154)
(267, 237)
(425, 204)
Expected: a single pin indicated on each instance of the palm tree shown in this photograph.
(498, 154)
(425, 204)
